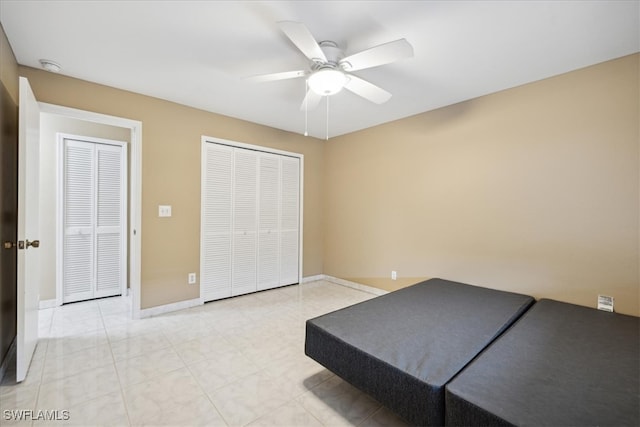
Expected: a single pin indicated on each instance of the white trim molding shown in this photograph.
(168, 308)
(135, 187)
(313, 278)
(345, 283)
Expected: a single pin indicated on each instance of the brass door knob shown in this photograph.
(35, 244)
(9, 245)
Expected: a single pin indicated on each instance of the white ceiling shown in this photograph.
(198, 52)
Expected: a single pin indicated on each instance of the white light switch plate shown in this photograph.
(164, 210)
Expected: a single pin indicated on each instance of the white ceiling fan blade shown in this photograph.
(300, 35)
(310, 101)
(378, 55)
(277, 76)
(367, 90)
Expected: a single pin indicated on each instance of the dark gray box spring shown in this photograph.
(559, 365)
(403, 347)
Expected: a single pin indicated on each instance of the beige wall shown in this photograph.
(171, 175)
(532, 190)
(50, 125)
(8, 66)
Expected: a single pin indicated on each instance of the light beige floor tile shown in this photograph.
(298, 373)
(134, 347)
(142, 368)
(247, 399)
(107, 410)
(290, 414)
(72, 390)
(200, 349)
(234, 361)
(145, 401)
(77, 362)
(18, 397)
(116, 319)
(384, 418)
(188, 331)
(199, 411)
(70, 327)
(222, 369)
(34, 374)
(116, 305)
(60, 347)
(336, 402)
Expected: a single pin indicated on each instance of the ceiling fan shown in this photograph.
(330, 70)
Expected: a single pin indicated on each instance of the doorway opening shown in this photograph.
(92, 218)
(56, 122)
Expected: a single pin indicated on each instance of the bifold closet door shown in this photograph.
(245, 181)
(250, 221)
(216, 222)
(268, 222)
(290, 221)
(94, 222)
(79, 213)
(110, 219)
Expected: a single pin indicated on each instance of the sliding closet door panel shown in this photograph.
(289, 221)
(79, 195)
(244, 268)
(216, 224)
(268, 227)
(110, 271)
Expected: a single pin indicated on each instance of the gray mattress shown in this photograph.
(403, 347)
(560, 364)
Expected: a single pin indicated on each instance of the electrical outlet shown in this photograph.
(605, 303)
(192, 278)
(394, 275)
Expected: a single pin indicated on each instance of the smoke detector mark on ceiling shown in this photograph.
(49, 65)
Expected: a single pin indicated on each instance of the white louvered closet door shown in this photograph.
(110, 217)
(243, 278)
(289, 221)
(79, 214)
(250, 226)
(217, 208)
(94, 249)
(268, 226)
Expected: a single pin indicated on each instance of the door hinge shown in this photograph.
(11, 245)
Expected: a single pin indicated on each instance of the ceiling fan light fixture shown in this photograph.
(327, 81)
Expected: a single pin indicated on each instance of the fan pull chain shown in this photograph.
(306, 108)
(327, 129)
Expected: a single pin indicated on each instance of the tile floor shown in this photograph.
(233, 362)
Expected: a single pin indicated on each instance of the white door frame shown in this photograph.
(60, 228)
(135, 188)
(204, 140)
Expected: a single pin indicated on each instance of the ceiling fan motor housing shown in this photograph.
(333, 54)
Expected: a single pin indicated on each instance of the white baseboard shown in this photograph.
(313, 278)
(353, 285)
(168, 308)
(48, 303)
